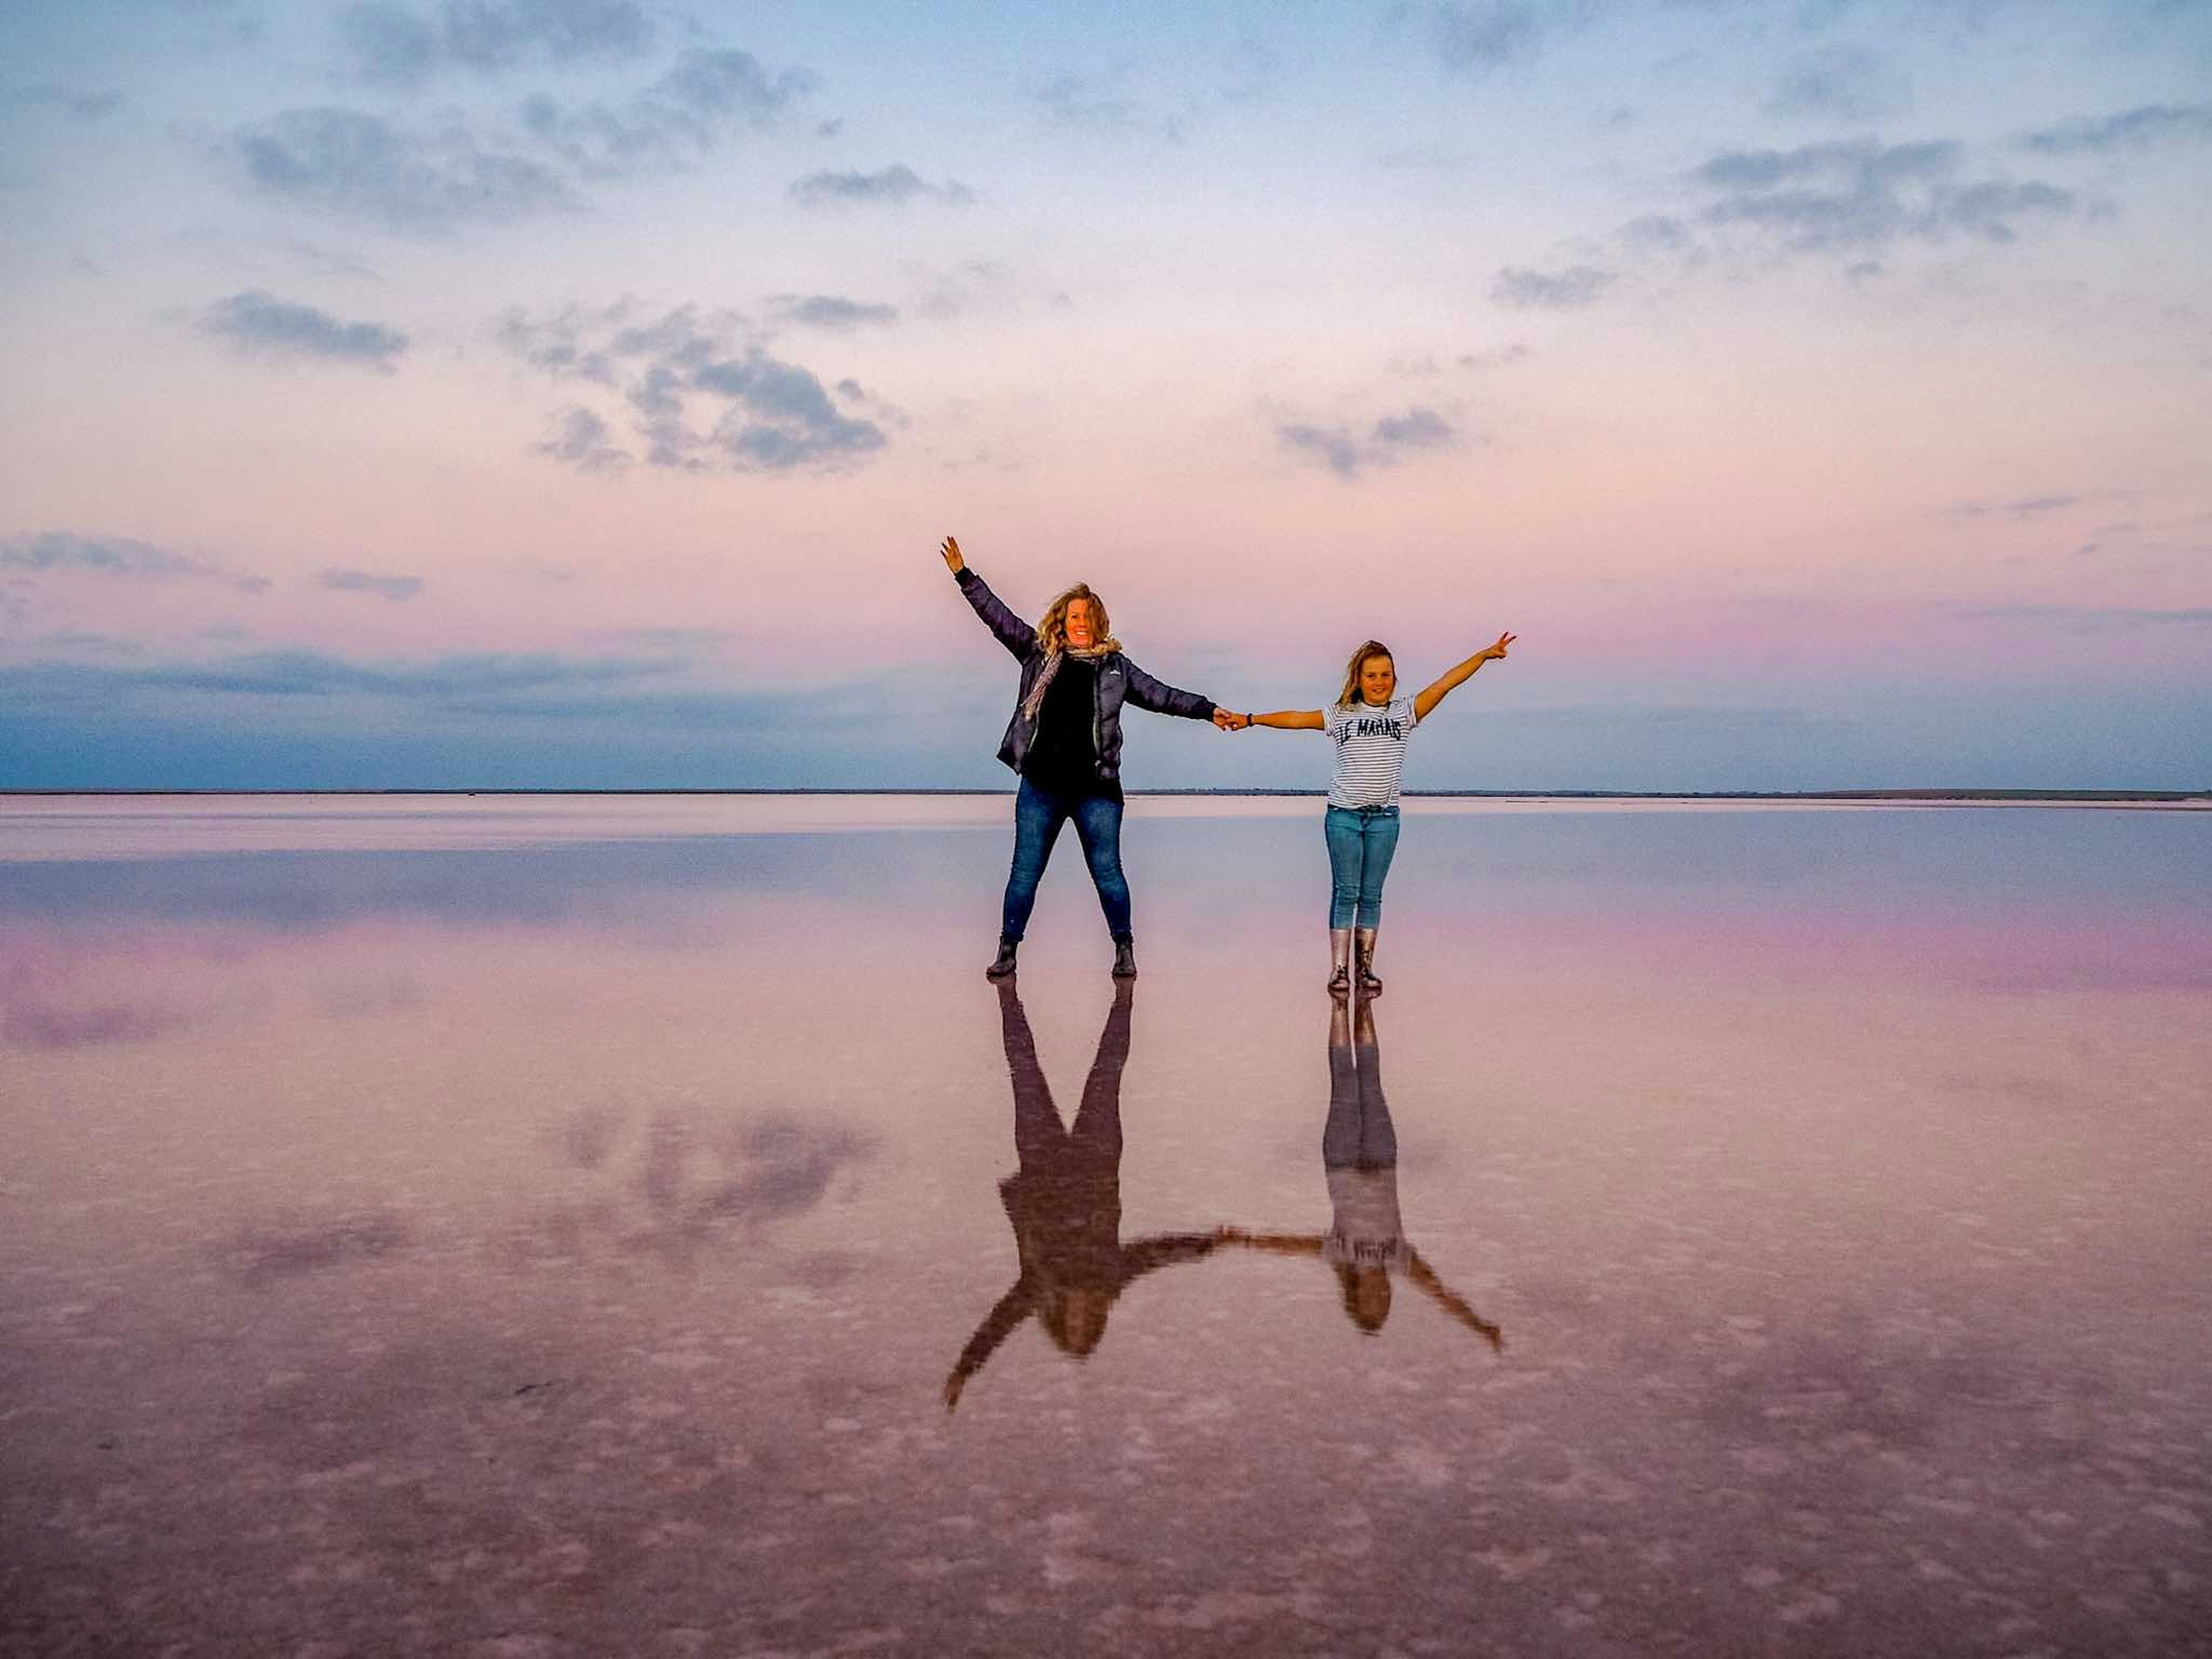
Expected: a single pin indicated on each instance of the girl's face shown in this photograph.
(1378, 678)
(1371, 1299)
(1080, 636)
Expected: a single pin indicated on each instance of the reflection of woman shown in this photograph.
(1365, 1242)
(1065, 740)
(1369, 724)
(1065, 1202)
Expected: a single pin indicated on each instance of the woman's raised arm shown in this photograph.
(1011, 631)
(1437, 693)
(1140, 1256)
(1162, 698)
(1010, 1311)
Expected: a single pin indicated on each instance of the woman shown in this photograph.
(1065, 740)
(1065, 1202)
(1369, 723)
(1365, 1242)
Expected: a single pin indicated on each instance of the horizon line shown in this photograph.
(1925, 793)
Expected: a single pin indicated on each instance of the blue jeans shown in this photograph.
(1361, 842)
(1359, 1134)
(1038, 814)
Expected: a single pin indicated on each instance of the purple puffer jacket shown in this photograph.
(1118, 679)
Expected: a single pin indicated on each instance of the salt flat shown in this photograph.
(559, 1228)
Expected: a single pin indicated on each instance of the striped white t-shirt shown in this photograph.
(1370, 751)
(1364, 1230)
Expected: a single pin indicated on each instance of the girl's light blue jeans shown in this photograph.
(1361, 842)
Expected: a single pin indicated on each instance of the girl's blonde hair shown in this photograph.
(1372, 648)
(1366, 1296)
(1052, 632)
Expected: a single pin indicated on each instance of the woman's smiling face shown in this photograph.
(1078, 623)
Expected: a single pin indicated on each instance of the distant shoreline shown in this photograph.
(2119, 797)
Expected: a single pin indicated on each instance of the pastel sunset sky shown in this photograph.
(574, 392)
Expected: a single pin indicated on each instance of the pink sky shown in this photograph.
(1848, 372)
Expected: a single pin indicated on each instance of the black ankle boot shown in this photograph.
(1124, 959)
(1003, 963)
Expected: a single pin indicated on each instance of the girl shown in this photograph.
(1366, 1243)
(1369, 724)
(1065, 740)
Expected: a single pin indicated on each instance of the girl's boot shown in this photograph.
(1368, 985)
(1340, 960)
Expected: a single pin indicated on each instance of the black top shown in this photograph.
(1063, 756)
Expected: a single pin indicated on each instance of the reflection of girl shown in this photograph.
(1365, 1242)
(1369, 723)
(1065, 740)
(1065, 1202)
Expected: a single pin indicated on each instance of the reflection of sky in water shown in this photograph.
(569, 1242)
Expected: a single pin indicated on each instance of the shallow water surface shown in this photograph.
(592, 1226)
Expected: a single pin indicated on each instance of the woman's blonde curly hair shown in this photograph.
(1052, 632)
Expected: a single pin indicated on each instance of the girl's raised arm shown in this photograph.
(1280, 1243)
(1453, 1303)
(1436, 693)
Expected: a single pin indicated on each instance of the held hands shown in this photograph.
(953, 561)
(1228, 722)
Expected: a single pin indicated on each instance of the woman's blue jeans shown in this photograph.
(1038, 814)
(1361, 841)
